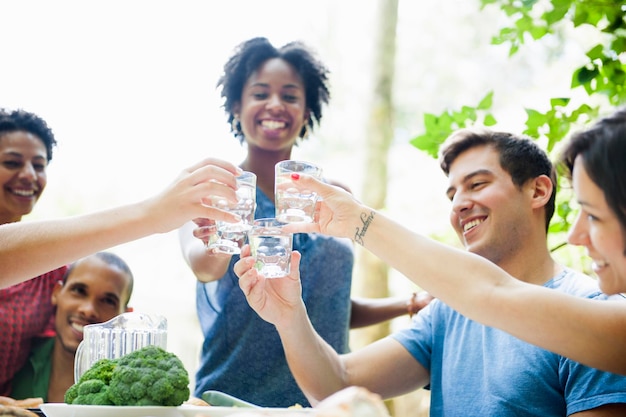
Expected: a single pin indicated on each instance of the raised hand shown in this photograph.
(204, 230)
(274, 299)
(184, 199)
(338, 212)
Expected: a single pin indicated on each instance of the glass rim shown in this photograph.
(269, 221)
(299, 162)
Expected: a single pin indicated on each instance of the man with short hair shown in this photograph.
(94, 290)
(502, 188)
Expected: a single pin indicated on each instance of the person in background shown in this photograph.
(502, 189)
(94, 290)
(26, 145)
(273, 98)
(28, 249)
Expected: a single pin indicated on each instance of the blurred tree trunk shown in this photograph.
(372, 274)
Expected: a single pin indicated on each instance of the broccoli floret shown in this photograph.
(91, 392)
(148, 376)
(92, 382)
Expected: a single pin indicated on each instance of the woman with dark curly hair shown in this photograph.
(26, 144)
(273, 98)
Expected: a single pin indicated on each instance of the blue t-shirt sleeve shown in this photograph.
(585, 388)
(418, 338)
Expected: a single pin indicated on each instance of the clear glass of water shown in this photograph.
(271, 247)
(230, 237)
(293, 205)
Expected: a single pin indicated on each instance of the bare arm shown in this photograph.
(608, 410)
(28, 249)
(370, 311)
(384, 367)
(205, 265)
(587, 331)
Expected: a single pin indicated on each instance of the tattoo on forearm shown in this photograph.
(366, 219)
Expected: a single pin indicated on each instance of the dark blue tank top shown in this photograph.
(242, 354)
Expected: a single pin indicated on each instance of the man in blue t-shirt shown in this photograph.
(502, 188)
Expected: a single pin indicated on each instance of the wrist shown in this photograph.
(292, 319)
(365, 216)
(412, 305)
(418, 301)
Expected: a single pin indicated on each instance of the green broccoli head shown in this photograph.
(148, 376)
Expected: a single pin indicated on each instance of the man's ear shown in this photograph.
(129, 309)
(55, 292)
(542, 191)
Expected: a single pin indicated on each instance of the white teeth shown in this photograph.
(597, 264)
(78, 327)
(24, 193)
(469, 225)
(272, 124)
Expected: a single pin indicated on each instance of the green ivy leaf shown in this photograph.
(559, 102)
(584, 75)
(597, 52)
(486, 102)
(490, 120)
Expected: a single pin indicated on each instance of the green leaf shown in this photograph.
(529, 3)
(524, 24)
(563, 101)
(554, 15)
(505, 35)
(486, 102)
(562, 4)
(597, 52)
(619, 45)
(584, 76)
(490, 120)
(430, 121)
(534, 121)
(537, 32)
(438, 128)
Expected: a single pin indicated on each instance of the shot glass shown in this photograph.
(293, 205)
(271, 247)
(230, 237)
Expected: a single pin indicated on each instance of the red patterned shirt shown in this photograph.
(26, 311)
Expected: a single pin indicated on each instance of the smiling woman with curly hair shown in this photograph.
(273, 97)
(26, 144)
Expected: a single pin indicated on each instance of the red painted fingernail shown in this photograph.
(295, 176)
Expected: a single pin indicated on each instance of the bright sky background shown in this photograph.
(128, 87)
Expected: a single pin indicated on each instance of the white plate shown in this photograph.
(69, 410)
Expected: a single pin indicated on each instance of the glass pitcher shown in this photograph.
(115, 338)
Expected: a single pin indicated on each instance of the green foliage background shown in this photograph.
(603, 78)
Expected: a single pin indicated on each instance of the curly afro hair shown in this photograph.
(248, 57)
(21, 120)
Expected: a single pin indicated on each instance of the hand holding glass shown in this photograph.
(229, 237)
(271, 247)
(292, 205)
